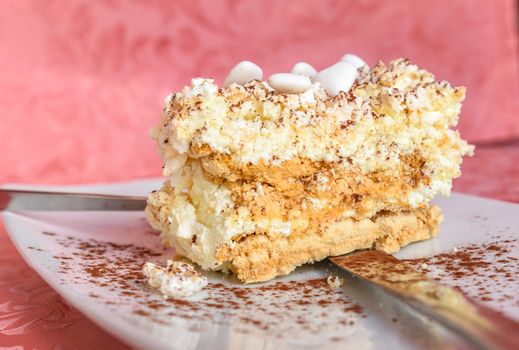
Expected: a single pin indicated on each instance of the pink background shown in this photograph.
(81, 82)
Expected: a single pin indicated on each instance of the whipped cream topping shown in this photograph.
(177, 280)
(253, 125)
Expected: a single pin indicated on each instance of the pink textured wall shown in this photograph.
(82, 81)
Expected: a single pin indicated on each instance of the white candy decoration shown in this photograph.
(354, 60)
(289, 83)
(337, 78)
(303, 68)
(242, 73)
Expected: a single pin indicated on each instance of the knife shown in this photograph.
(481, 326)
(13, 199)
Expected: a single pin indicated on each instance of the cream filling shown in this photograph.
(203, 217)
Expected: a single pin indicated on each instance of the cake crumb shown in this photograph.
(424, 266)
(455, 249)
(177, 280)
(334, 282)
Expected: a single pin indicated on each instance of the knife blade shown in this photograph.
(477, 324)
(13, 199)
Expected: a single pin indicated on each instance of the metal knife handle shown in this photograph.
(12, 199)
(480, 325)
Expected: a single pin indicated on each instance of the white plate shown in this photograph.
(299, 311)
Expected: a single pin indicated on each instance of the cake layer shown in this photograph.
(263, 255)
(259, 258)
(392, 114)
(200, 217)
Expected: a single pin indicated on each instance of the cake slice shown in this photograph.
(263, 179)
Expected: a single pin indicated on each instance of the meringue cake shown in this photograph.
(260, 180)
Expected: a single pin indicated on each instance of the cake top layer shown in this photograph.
(389, 111)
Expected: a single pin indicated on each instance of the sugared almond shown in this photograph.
(242, 73)
(336, 78)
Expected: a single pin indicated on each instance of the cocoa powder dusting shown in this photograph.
(274, 307)
(480, 270)
(279, 307)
